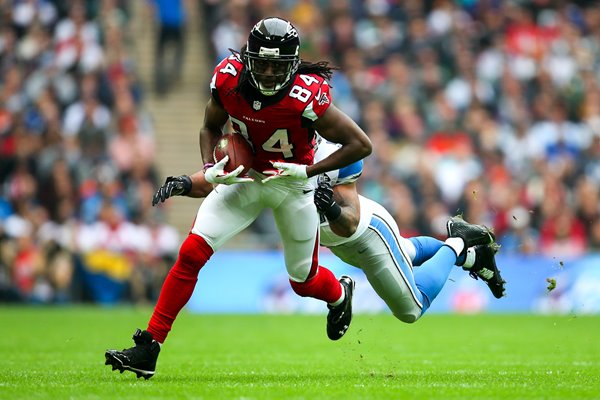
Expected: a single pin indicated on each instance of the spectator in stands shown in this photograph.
(170, 17)
(563, 235)
(518, 83)
(129, 147)
(519, 237)
(231, 30)
(77, 41)
(506, 78)
(67, 74)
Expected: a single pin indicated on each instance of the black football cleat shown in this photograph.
(139, 359)
(485, 268)
(340, 316)
(471, 234)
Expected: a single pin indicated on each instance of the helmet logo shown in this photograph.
(291, 30)
(267, 52)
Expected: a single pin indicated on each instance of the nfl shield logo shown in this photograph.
(256, 105)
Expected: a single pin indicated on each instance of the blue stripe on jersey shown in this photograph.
(350, 173)
(401, 260)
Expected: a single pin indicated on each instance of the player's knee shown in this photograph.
(194, 252)
(407, 318)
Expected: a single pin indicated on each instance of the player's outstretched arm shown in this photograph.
(194, 186)
(340, 205)
(200, 186)
(335, 126)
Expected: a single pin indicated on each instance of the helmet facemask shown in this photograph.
(270, 74)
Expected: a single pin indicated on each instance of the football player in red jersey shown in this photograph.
(364, 234)
(278, 103)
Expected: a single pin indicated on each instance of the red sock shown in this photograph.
(323, 286)
(179, 285)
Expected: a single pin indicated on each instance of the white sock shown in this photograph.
(410, 248)
(470, 258)
(456, 244)
(339, 301)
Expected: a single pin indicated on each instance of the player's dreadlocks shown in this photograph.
(321, 68)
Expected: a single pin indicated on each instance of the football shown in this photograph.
(237, 148)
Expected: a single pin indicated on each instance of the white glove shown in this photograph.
(216, 174)
(286, 170)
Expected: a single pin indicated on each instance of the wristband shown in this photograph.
(333, 212)
(187, 185)
(207, 166)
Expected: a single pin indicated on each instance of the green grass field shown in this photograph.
(58, 353)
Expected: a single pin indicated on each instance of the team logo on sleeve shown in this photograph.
(256, 105)
(324, 99)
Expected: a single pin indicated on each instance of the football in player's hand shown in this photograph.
(237, 148)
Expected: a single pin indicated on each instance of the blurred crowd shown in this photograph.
(483, 107)
(77, 156)
(488, 108)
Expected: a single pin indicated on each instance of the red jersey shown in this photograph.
(278, 127)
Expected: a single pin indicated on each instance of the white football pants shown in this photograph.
(229, 209)
(381, 253)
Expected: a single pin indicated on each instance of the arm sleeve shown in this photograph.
(350, 173)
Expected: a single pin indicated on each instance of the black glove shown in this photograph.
(324, 201)
(173, 186)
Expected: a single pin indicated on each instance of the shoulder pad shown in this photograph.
(226, 73)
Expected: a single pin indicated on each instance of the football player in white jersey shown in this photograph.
(362, 233)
